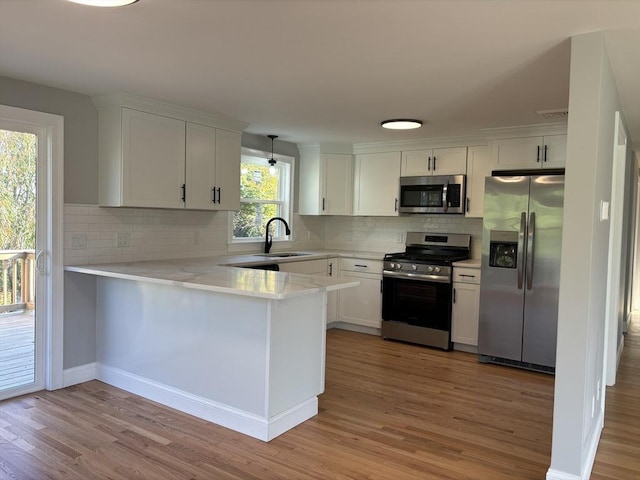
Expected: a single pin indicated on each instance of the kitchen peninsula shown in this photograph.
(239, 347)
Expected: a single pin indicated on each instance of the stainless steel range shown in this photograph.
(417, 288)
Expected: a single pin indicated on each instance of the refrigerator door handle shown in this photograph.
(530, 240)
(521, 235)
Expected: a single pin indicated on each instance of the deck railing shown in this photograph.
(17, 280)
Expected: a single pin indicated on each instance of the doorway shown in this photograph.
(30, 251)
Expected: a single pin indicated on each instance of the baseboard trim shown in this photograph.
(589, 458)
(352, 327)
(79, 374)
(255, 426)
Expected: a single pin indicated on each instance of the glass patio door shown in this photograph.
(23, 207)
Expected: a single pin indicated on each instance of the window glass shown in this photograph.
(264, 194)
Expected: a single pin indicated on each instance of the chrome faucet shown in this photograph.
(268, 241)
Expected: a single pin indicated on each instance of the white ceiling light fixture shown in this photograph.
(105, 3)
(401, 124)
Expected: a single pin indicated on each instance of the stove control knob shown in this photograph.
(414, 268)
(429, 268)
(437, 269)
(392, 265)
(399, 266)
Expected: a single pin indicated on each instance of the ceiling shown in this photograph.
(327, 70)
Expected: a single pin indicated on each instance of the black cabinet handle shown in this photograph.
(538, 155)
(219, 196)
(323, 202)
(213, 194)
(454, 295)
(468, 204)
(468, 276)
(380, 286)
(546, 147)
(358, 265)
(395, 208)
(331, 269)
(184, 192)
(434, 163)
(429, 164)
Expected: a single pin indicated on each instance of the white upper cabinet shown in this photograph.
(376, 185)
(153, 153)
(437, 161)
(157, 155)
(212, 168)
(548, 151)
(478, 167)
(326, 182)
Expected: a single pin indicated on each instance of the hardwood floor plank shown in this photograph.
(390, 411)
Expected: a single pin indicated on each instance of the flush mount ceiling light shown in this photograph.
(401, 124)
(272, 161)
(105, 3)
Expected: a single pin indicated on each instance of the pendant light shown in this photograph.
(272, 161)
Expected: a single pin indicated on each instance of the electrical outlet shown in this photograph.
(123, 239)
(78, 241)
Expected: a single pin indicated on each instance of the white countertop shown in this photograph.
(207, 273)
(470, 263)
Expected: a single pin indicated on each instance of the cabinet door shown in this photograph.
(153, 158)
(449, 161)
(376, 184)
(227, 170)
(332, 296)
(338, 184)
(465, 313)
(555, 154)
(417, 163)
(516, 153)
(362, 305)
(478, 167)
(200, 167)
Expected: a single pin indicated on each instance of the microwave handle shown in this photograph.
(445, 203)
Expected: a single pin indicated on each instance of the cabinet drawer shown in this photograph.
(361, 265)
(466, 275)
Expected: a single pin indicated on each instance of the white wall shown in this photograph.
(593, 101)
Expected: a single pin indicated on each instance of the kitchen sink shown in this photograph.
(282, 254)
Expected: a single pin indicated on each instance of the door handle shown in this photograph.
(530, 241)
(521, 234)
(41, 267)
(445, 187)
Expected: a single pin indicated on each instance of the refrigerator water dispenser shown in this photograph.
(503, 249)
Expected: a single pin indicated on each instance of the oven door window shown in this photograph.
(417, 302)
(421, 196)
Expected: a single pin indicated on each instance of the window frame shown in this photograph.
(286, 203)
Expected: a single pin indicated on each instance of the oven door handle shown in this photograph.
(521, 255)
(416, 277)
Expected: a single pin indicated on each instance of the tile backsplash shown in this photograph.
(95, 234)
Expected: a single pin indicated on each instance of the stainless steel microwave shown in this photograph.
(433, 194)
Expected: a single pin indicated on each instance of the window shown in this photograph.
(264, 193)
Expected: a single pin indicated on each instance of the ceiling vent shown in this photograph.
(556, 114)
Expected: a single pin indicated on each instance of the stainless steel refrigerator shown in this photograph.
(521, 245)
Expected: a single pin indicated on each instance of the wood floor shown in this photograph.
(17, 349)
(390, 412)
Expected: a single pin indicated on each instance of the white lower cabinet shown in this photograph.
(361, 305)
(466, 306)
(324, 267)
